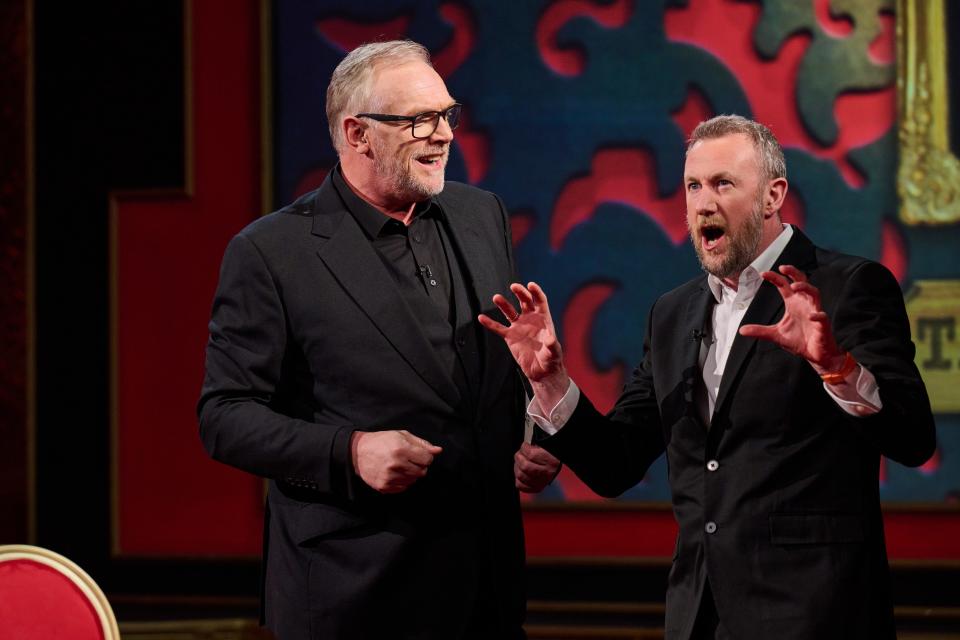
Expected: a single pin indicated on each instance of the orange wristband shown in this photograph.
(836, 377)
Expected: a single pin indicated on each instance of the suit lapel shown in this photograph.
(468, 244)
(766, 308)
(479, 280)
(696, 324)
(355, 264)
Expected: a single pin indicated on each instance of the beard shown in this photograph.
(397, 171)
(743, 244)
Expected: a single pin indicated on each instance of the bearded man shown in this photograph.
(774, 383)
(345, 363)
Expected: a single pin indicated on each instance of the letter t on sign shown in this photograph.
(936, 328)
(934, 309)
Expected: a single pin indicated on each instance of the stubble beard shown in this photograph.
(743, 246)
(395, 167)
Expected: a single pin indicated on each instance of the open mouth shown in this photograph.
(431, 161)
(711, 236)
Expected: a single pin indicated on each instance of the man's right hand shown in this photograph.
(391, 461)
(532, 341)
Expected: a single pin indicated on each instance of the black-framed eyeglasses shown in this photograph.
(422, 125)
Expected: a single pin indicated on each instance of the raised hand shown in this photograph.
(391, 461)
(530, 334)
(534, 468)
(805, 328)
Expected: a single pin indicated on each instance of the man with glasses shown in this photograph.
(345, 364)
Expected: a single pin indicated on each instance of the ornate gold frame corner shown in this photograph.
(928, 177)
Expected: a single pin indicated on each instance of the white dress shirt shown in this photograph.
(858, 394)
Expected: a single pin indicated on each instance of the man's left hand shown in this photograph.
(805, 328)
(534, 468)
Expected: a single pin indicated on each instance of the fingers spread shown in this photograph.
(524, 296)
(795, 274)
(776, 280)
(505, 307)
(490, 324)
(808, 289)
(539, 297)
(758, 331)
(521, 291)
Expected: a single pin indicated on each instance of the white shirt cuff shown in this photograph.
(560, 413)
(858, 395)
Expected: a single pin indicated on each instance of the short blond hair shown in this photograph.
(351, 88)
(769, 153)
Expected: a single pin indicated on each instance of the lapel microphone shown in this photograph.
(427, 275)
(699, 335)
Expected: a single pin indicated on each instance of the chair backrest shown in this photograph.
(44, 595)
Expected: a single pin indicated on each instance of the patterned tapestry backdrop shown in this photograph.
(576, 112)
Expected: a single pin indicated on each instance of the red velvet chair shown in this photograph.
(44, 595)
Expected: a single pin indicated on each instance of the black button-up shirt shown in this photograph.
(415, 255)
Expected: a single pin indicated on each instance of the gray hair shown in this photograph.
(769, 153)
(351, 87)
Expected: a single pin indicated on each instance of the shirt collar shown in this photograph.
(763, 262)
(371, 220)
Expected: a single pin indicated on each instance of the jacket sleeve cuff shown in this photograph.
(343, 478)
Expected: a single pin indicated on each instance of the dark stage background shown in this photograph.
(139, 137)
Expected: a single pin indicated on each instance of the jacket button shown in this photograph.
(713, 465)
(710, 527)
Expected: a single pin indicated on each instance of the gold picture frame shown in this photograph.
(928, 177)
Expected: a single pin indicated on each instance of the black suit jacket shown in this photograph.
(786, 524)
(310, 340)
